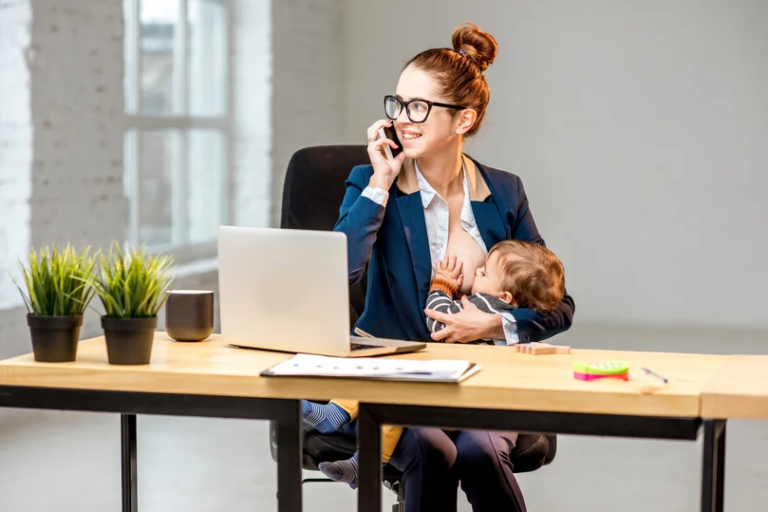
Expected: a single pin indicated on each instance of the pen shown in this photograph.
(654, 374)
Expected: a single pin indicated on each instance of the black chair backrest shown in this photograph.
(312, 194)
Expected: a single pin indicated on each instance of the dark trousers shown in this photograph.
(435, 462)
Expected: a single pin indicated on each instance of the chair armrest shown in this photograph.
(552, 451)
(530, 452)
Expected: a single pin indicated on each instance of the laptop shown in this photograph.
(288, 290)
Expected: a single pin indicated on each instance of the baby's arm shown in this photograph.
(438, 300)
(442, 289)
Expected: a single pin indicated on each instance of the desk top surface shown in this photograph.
(739, 389)
(508, 380)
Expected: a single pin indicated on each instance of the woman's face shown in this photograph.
(439, 131)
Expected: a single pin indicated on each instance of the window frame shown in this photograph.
(137, 122)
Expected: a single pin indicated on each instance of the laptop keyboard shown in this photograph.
(361, 346)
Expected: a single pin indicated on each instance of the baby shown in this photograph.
(516, 274)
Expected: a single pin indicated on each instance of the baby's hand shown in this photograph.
(450, 270)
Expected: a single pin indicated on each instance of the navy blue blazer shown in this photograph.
(390, 244)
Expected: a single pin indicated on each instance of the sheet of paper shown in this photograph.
(305, 364)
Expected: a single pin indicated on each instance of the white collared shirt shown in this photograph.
(436, 219)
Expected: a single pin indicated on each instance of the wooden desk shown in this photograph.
(508, 380)
(513, 392)
(739, 389)
(539, 394)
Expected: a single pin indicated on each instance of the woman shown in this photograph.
(401, 216)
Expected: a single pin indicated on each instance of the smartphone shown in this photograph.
(391, 134)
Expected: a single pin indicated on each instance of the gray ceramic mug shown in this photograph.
(189, 314)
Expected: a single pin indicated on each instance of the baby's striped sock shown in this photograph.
(325, 418)
(341, 471)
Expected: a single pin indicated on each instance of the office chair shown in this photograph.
(312, 194)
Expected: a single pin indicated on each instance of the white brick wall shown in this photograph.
(61, 122)
(77, 114)
(61, 127)
(308, 96)
(61, 137)
(15, 142)
(251, 97)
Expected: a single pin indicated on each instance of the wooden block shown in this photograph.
(540, 349)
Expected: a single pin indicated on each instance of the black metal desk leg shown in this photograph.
(369, 445)
(128, 453)
(713, 467)
(289, 456)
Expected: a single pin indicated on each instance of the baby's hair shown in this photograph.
(531, 273)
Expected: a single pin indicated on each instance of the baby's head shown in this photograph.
(522, 274)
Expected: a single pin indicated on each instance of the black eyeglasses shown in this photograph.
(417, 110)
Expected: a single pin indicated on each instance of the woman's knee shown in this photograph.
(427, 446)
(480, 452)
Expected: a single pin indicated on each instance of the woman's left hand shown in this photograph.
(468, 325)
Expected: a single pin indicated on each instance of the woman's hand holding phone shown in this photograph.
(384, 170)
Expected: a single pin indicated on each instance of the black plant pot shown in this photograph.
(54, 338)
(129, 340)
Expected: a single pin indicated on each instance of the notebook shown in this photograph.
(306, 365)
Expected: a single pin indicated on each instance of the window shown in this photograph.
(177, 141)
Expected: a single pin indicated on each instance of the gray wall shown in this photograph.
(640, 129)
(308, 104)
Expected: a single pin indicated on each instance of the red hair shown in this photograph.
(459, 72)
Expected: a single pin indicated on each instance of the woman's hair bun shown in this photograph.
(478, 45)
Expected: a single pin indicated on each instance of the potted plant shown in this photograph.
(56, 297)
(132, 286)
